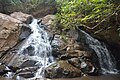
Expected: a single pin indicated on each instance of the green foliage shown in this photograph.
(72, 13)
(24, 5)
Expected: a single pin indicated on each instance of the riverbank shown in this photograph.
(103, 77)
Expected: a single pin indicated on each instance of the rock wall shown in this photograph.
(109, 33)
(73, 58)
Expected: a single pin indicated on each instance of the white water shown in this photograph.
(39, 40)
(106, 60)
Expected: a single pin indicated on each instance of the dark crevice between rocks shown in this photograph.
(25, 32)
(115, 51)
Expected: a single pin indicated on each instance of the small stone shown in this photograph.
(28, 63)
(27, 74)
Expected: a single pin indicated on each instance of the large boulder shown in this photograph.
(26, 19)
(12, 30)
(16, 28)
(48, 19)
(9, 32)
(62, 69)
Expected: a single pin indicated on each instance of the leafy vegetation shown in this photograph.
(23, 5)
(87, 13)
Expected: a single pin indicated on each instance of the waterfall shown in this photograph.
(106, 60)
(37, 47)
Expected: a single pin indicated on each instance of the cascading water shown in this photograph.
(38, 48)
(106, 60)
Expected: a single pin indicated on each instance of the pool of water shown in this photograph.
(103, 77)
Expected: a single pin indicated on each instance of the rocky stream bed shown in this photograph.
(31, 49)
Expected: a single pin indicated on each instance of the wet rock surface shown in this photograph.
(70, 54)
(14, 29)
(72, 58)
(25, 32)
(20, 65)
(62, 69)
(25, 61)
(26, 19)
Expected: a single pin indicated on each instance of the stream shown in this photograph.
(105, 77)
(106, 59)
(33, 55)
